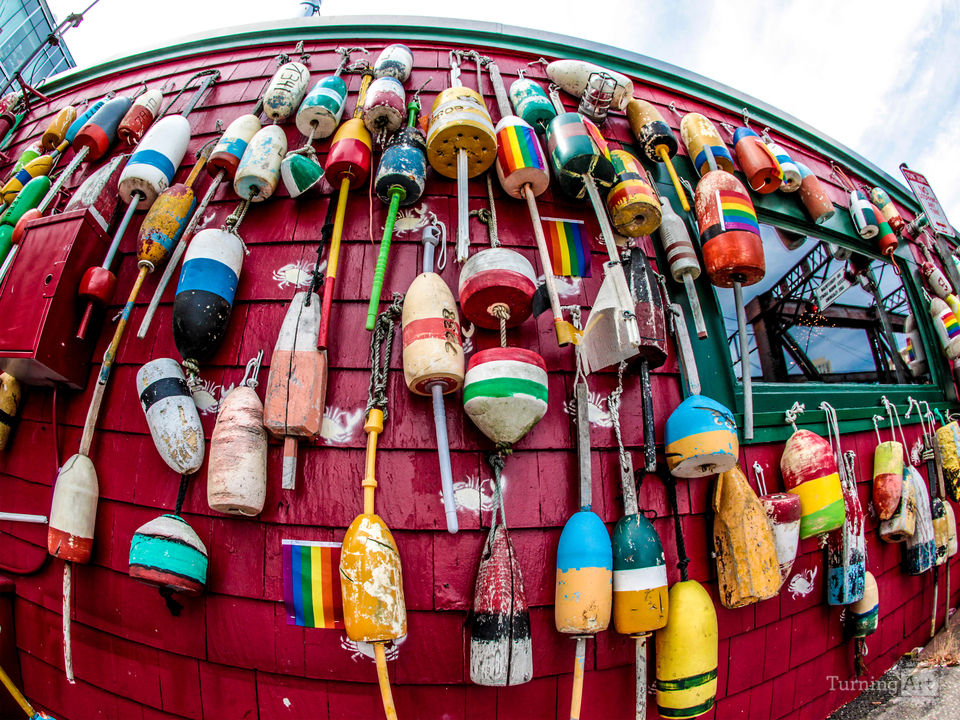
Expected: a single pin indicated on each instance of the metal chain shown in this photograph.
(491, 221)
(381, 343)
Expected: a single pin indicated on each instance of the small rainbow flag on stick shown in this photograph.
(311, 584)
(569, 249)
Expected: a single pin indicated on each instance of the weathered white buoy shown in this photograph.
(385, 106)
(285, 91)
(394, 61)
(505, 392)
(73, 511)
(151, 168)
(259, 170)
(231, 146)
(171, 415)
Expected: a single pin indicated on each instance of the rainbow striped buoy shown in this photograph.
(809, 471)
(505, 392)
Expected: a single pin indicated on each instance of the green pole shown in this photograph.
(396, 195)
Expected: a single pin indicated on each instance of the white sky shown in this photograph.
(881, 77)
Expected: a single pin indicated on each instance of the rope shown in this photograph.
(502, 313)
(791, 415)
(682, 560)
(491, 219)
(181, 494)
(381, 342)
(236, 217)
(614, 401)
(876, 419)
(496, 462)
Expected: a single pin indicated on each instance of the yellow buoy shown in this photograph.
(9, 402)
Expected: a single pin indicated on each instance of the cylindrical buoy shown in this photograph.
(887, 478)
(231, 146)
(783, 516)
(847, 552)
(936, 280)
(758, 162)
(403, 165)
(459, 120)
(748, 569)
(572, 77)
(204, 298)
(82, 119)
(729, 232)
(657, 140)
(576, 148)
(880, 198)
(164, 224)
(904, 520)
(863, 615)
(640, 599)
(28, 198)
(703, 142)
(100, 130)
(151, 168)
(237, 472)
(259, 170)
(166, 552)
(916, 356)
(20, 179)
(948, 438)
(432, 352)
(520, 159)
(809, 471)
(497, 276)
(171, 415)
(531, 103)
(814, 198)
(322, 108)
(56, 131)
(886, 241)
(941, 530)
(687, 653)
(350, 153)
(33, 151)
(864, 215)
(505, 392)
(285, 91)
(584, 591)
(385, 106)
(791, 173)
(9, 402)
(681, 258)
(700, 438)
(632, 203)
(952, 543)
(395, 61)
(139, 117)
(947, 327)
(73, 512)
(920, 548)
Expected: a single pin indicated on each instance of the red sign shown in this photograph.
(928, 199)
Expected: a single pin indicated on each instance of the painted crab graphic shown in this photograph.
(801, 584)
(339, 426)
(473, 494)
(597, 411)
(297, 274)
(209, 396)
(566, 286)
(360, 650)
(411, 219)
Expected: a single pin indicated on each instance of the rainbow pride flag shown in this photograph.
(950, 324)
(311, 583)
(737, 212)
(568, 244)
(911, 351)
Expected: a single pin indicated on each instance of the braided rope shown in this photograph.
(381, 343)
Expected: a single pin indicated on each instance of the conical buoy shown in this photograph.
(505, 392)
(166, 552)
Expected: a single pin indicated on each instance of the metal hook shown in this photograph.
(207, 148)
(727, 126)
(876, 427)
(746, 116)
(520, 72)
(252, 371)
(141, 91)
(218, 126)
(304, 57)
(539, 61)
(791, 415)
(765, 134)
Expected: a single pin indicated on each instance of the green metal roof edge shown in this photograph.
(508, 37)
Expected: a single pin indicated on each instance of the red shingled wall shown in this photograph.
(230, 653)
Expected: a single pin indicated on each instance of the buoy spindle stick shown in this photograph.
(560, 326)
(443, 449)
(463, 207)
(641, 672)
(600, 211)
(396, 195)
(695, 308)
(665, 157)
(578, 663)
(51, 195)
(332, 259)
(745, 378)
(384, 679)
(373, 427)
(177, 253)
(17, 695)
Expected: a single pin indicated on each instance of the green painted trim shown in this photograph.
(508, 37)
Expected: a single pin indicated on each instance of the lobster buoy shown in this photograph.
(948, 438)
(783, 512)
(916, 356)
(432, 351)
(231, 146)
(791, 173)
(573, 75)
(941, 530)
(237, 471)
(632, 203)
(864, 215)
(497, 277)
(847, 552)
(903, 523)
(73, 512)
(584, 590)
(702, 141)
(501, 651)
(258, 173)
(322, 108)
(27, 199)
(171, 415)
(747, 566)
(285, 91)
(809, 471)
(947, 327)
(505, 392)
(99, 131)
(403, 165)
(166, 552)
(887, 478)
(21, 178)
(531, 103)
(385, 106)
(372, 586)
(687, 653)
(82, 119)
(952, 544)
(758, 162)
(204, 298)
(350, 153)
(576, 148)
(139, 117)
(163, 225)
(33, 151)
(920, 548)
(640, 600)
(9, 402)
(814, 198)
(700, 438)
(520, 159)
(151, 168)
(863, 615)
(936, 280)
(880, 198)
(459, 120)
(56, 131)
(395, 61)
(886, 240)
(729, 232)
